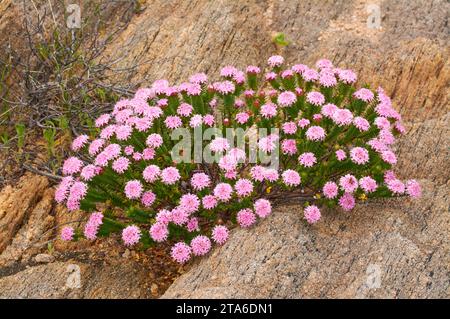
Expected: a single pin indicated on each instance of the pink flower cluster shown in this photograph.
(334, 143)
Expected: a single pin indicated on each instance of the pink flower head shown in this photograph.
(120, 165)
(315, 98)
(164, 216)
(389, 157)
(95, 146)
(72, 165)
(63, 189)
(377, 145)
(108, 132)
(347, 202)
(92, 226)
(268, 143)
(154, 140)
(310, 75)
(181, 252)
(399, 127)
(102, 120)
(192, 225)
(271, 76)
(348, 183)
(257, 173)
(67, 233)
(246, 218)
(219, 144)
(223, 192)
(396, 186)
(299, 68)
(324, 64)
(220, 234)
(190, 203)
(243, 187)
(88, 172)
(312, 214)
(131, 235)
(200, 245)
(200, 181)
(275, 61)
(286, 74)
(251, 69)
(170, 175)
(386, 137)
(307, 159)
(179, 216)
(268, 110)
(361, 124)
(242, 117)
(79, 142)
(271, 175)
(330, 190)
(148, 153)
(289, 128)
(328, 110)
(291, 178)
(368, 184)
(151, 173)
(382, 123)
(123, 132)
(315, 133)
(413, 188)
(148, 198)
(173, 122)
(347, 76)
(289, 147)
(389, 175)
(225, 87)
(195, 121)
(209, 202)
(342, 117)
(262, 207)
(133, 189)
(159, 232)
(327, 79)
(208, 119)
(302, 123)
(364, 94)
(228, 71)
(286, 98)
(185, 109)
(198, 78)
(359, 155)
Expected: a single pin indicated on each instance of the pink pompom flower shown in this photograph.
(291, 178)
(330, 190)
(220, 234)
(359, 155)
(312, 214)
(348, 183)
(67, 233)
(200, 245)
(133, 189)
(307, 159)
(262, 207)
(181, 252)
(159, 232)
(347, 202)
(131, 235)
(246, 218)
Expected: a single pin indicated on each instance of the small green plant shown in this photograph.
(20, 131)
(50, 138)
(4, 137)
(279, 38)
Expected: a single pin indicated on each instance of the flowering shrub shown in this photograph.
(331, 144)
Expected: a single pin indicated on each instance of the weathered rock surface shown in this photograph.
(30, 198)
(393, 248)
(74, 279)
